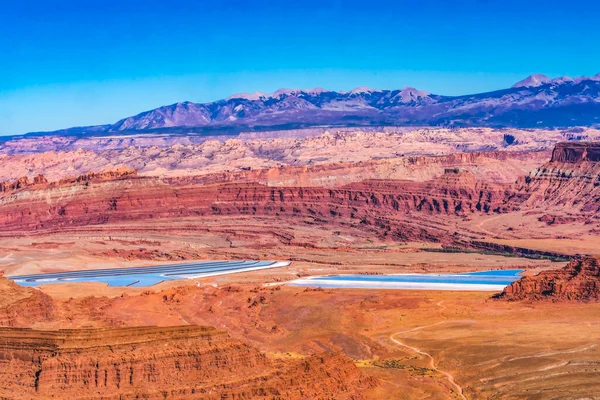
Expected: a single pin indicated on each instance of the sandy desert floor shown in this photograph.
(419, 344)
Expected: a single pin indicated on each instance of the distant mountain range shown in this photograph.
(536, 101)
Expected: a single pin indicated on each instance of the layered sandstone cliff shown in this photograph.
(491, 166)
(88, 201)
(570, 181)
(576, 152)
(386, 207)
(579, 280)
(180, 362)
(185, 362)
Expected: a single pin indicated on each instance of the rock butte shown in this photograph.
(576, 152)
(579, 280)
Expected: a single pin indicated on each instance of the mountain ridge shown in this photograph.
(536, 101)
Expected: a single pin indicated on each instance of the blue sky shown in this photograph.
(69, 63)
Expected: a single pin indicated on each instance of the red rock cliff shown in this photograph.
(84, 202)
(575, 152)
(579, 280)
(185, 362)
(569, 182)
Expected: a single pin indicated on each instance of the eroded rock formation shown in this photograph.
(42, 182)
(185, 362)
(570, 181)
(178, 362)
(121, 196)
(579, 280)
(389, 153)
(575, 152)
(21, 306)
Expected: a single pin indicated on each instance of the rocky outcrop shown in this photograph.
(40, 180)
(20, 306)
(569, 182)
(579, 280)
(494, 167)
(118, 173)
(185, 362)
(17, 184)
(575, 152)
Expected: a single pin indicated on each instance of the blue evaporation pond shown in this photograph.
(498, 272)
(484, 280)
(136, 280)
(144, 276)
(503, 277)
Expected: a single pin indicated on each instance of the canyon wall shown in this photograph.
(576, 152)
(121, 196)
(570, 181)
(380, 206)
(501, 167)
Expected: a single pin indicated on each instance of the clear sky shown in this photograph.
(69, 63)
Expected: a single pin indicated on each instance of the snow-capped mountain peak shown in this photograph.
(248, 96)
(361, 90)
(276, 94)
(534, 80)
(563, 79)
(410, 92)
